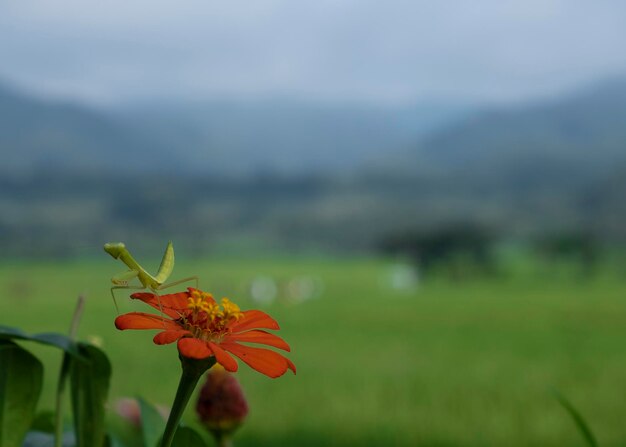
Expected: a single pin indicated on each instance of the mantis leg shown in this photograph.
(121, 282)
(180, 281)
(123, 287)
(172, 284)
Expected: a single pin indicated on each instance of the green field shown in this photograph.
(465, 363)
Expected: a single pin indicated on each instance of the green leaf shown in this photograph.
(21, 376)
(152, 424)
(187, 437)
(582, 426)
(89, 388)
(58, 340)
(48, 338)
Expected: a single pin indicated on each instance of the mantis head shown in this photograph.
(115, 249)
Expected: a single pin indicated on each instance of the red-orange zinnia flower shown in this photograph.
(203, 328)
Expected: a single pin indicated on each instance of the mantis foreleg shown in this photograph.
(121, 279)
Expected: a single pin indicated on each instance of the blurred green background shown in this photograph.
(430, 363)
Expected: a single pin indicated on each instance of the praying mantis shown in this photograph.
(154, 283)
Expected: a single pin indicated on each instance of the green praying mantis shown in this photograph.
(154, 283)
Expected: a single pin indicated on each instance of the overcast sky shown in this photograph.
(352, 50)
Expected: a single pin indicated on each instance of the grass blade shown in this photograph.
(577, 418)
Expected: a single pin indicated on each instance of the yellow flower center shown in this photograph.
(200, 301)
(209, 320)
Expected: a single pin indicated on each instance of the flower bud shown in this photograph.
(128, 409)
(221, 404)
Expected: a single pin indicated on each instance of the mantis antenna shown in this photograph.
(154, 283)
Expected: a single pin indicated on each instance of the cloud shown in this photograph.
(365, 50)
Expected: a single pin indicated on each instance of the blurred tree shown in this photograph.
(579, 246)
(460, 249)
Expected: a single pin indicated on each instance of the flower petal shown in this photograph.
(258, 336)
(141, 320)
(172, 304)
(267, 362)
(194, 348)
(169, 336)
(224, 358)
(254, 319)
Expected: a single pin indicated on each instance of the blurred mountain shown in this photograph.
(284, 137)
(556, 142)
(288, 175)
(40, 135)
(225, 138)
(531, 168)
(564, 142)
(546, 166)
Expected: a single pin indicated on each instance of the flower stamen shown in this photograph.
(231, 310)
(208, 320)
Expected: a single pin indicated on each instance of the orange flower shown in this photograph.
(203, 328)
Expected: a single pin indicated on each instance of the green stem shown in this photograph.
(192, 371)
(58, 414)
(65, 368)
(225, 442)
